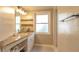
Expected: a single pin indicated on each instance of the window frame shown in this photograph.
(43, 13)
(18, 24)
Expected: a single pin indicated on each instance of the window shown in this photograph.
(42, 23)
(17, 23)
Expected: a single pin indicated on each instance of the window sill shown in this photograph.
(43, 33)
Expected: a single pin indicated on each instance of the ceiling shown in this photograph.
(36, 7)
(68, 9)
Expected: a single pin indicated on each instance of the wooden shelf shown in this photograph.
(20, 49)
(27, 24)
(26, 19)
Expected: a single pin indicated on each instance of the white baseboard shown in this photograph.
(46, 45)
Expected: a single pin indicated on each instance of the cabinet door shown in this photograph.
(32, 39)
(30, 42)
(0, 50)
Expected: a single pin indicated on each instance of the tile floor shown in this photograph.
(42, 49)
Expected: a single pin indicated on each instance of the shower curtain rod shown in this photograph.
(76, 15)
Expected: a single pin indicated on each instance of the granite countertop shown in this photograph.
(14, 38)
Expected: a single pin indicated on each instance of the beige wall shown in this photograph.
(7, 25)
(43, 39)
(68, 32)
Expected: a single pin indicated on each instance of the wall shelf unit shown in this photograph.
(27, 25)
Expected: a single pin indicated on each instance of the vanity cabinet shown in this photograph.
(23, 44)
(15, 46)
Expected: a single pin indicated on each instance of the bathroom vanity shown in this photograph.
(22, 42)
